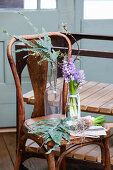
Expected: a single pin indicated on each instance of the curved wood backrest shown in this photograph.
(21, 113)
(38, 76)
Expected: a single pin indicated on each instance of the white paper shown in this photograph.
(93, 131)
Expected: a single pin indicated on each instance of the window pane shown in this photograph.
(48, 4)
(98, 9)
(11, 3)
(30, 4)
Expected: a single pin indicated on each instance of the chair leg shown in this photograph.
(107, 154)
(20, 150)
(18, 159)
(63, 163)
(51, 160)
(102, 154)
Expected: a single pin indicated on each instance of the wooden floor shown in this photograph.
(8, 154)
(7, 151)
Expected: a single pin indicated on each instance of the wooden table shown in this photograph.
(94, 97)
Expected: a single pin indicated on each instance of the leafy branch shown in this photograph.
(39, 47)
(51, 130)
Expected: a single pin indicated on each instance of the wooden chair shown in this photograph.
(38, 112)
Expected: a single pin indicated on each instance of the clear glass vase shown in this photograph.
(53, 98)
(72, 108)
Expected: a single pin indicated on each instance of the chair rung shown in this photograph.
(89, 152)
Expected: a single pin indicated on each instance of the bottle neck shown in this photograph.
(53, 78)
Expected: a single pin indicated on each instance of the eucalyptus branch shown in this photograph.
(51, 130)
(30, 23)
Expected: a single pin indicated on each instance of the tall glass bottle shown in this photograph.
(53, 97)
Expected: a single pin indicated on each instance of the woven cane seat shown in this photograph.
(73, 139)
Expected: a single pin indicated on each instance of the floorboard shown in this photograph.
(5, 159)
(10, 140)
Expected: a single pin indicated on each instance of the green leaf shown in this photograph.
(40, 130)
(56, 136)
(52, 149)
(20, 38)
(43, 59)
(66, 137)
(24, 49)
(42, 121)
(100, 117)
(47, 139)
(64, 128)
(99, 120)
(28, 55)
(44, 127)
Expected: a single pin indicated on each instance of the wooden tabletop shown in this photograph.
(95, 97)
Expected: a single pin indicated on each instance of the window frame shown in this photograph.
(99, 14)
(22, 7)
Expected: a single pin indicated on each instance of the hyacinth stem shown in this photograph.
(73, 106)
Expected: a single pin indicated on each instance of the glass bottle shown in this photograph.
(53, 98)
(72, 108)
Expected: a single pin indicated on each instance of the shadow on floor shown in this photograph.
(41, 164)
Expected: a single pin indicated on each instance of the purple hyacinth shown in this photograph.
(74, 78)
(71, 74)
(81, 77)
